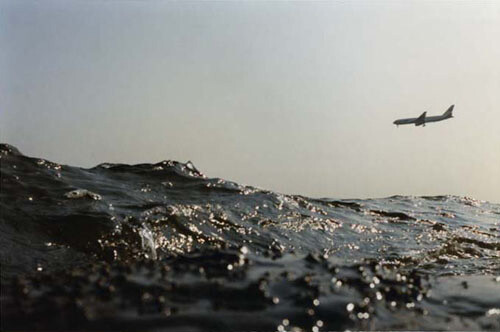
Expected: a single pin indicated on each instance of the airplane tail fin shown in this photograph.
(449, 111)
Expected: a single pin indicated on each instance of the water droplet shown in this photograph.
(146, 296)
(148, 241)
(350, 307)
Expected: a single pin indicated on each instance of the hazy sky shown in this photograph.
(297, 97)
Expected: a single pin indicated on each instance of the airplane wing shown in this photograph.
(420, 120)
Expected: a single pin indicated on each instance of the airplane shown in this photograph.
(423, 119)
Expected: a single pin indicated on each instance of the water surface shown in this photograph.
(163, 247)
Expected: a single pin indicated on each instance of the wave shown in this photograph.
(162, 245)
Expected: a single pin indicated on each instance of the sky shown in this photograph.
(296, 97)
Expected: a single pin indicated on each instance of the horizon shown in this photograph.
(294, 97)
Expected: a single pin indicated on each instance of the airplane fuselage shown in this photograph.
(427, 119)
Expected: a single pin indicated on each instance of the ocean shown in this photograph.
(163, 247)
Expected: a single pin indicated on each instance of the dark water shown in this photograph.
(163, 247)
